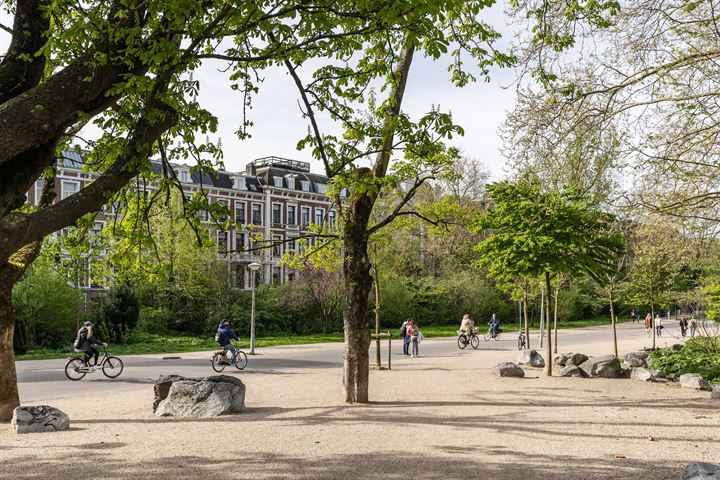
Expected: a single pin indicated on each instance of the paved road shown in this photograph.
(41, 380)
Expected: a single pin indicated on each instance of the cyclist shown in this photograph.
(467, 326)
(224, 335)
(86, 341)
(494, 325)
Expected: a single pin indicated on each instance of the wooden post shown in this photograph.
(389, 350)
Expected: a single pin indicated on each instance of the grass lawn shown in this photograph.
(150, 343)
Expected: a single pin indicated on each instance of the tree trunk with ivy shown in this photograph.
(548, 351)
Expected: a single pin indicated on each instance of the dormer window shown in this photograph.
(290, 182)
(305, 185)
(278, 182)
(184, 176)
(240, 183)
(321, 188)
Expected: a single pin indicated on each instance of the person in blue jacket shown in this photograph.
(223, 337)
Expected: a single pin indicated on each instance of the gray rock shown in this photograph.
(646, 375)
(573, 371)
(41, 418)
(693, 380)
(607, 366)
(530, 357)
(715, 394)
(701, 471)
(508, 369)
(625, 373)
(576, 359)
(200, 397)
(162, 387)
(561, 359)
(636, 359)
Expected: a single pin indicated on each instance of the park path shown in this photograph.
(443, 415)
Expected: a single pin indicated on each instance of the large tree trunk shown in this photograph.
(548, 360)
(358, 281)
(527, 324)
(555, 316)
(9, 397)
(376, 277)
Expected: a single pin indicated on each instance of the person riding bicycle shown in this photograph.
(224, 335)
(467, 326)
(86, 341)
(494, 325)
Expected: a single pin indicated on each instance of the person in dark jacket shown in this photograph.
(86, 341)
(494, 325)
(224, 335)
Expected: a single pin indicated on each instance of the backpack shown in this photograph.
(403, 331)
(220, 337)
(80, 339)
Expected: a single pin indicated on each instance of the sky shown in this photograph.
(479, 108)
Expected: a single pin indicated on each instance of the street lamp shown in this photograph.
(254, 266)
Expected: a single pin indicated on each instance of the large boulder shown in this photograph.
(530, 357)
(701, 471)
(561, 359)
(693, 380)
(572, 371)
(508, 369)
(715, 394)
(199, 397)
(576, 359)
(607, 366)
(636, 359)
(41, 418)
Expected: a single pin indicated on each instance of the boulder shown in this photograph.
(561, 359)
(199, 397)
(508, 369)
(162, 387)
(607, 366)
(701, 471)
(646, 375)
(693, 380)
(530, 357)
(573, 371)
(576, 359)
(715, 394)
(41, 418)
(636, 359)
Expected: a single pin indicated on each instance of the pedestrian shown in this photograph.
(632, 315)
(405, 337)
(658, 325)
(413, 331)
(683, 326)
(648, 323)
(693, 327)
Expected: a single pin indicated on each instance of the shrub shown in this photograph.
(694, 357)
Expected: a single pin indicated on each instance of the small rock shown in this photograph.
(530, 357)
(651, 438)
(573, 371)
(620, 455)
(693, 380)
(607, 366)
(701, 471)
(508, 369)
(41, 418)
(715, 394)
(561, 359)
(643, 374)
(636, 359)
(576, 359)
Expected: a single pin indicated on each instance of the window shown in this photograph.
(239, 275)
(38, 191)
(69, 188)
(253, 187)
(305, 185)
(277, 245)
(331, 218)
(239, 241)
(240, 183)
(321, 188)
(276, 212)
(222, 241)
(184, 176)
(277, 275)
(305, 216)
(204, 215)
(223, 216)
(291, 214)
(319, 216)
(257, 214)
(277, 181)
(290, 246)
(240, 213)
(290, 182)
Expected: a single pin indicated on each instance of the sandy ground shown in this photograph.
(431, 418)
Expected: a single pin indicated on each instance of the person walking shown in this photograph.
(683, 326)
(633, 315)
(658, 325)
(693, 327)
(413, 331)
(648, 323)
(405, 337)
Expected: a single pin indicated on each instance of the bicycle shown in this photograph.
(77, 367)
(490, 334)
(522, 343)
(472, 339)
(222, 359)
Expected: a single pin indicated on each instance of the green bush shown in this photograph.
(155, 320)
(694, 357)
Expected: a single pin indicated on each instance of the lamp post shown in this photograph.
(253, 270)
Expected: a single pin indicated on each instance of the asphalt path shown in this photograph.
(41, 380)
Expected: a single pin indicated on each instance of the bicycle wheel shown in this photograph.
(474, 341)
(462, 342)
(72, 369)
(241, 360)
(487, 336)
(219, 361)
(112, 367)
(497, 337)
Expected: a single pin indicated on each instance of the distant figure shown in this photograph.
(648, 323)
(405, 337)
(633, 315)
(224, 335)
(658, 325)
(413, 331)
(683, 326)
(693, 327)
(494, 325)
(467, 326)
